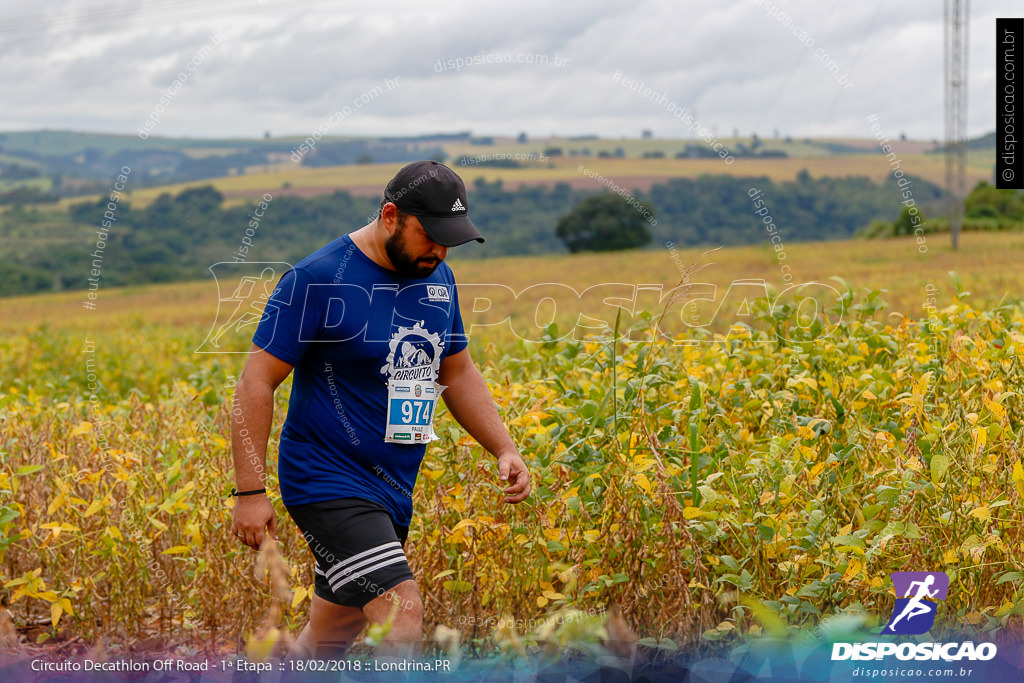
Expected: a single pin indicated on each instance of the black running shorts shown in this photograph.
(358, 549)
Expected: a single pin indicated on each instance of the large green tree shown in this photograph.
(606, 222)
(985, 201)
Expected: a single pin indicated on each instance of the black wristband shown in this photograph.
(236, 493)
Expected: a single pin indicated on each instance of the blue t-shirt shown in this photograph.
(349, 326)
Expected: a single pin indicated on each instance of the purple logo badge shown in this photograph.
(917, 596)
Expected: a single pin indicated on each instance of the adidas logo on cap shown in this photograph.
(457, 206)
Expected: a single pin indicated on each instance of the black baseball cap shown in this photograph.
(436, 195)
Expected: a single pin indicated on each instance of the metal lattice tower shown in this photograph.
(956, 33)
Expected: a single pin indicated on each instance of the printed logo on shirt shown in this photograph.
(415, 354)
(438, 293)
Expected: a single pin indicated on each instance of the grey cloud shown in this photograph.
(286, 66)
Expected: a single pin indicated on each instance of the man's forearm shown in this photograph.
(251, 416)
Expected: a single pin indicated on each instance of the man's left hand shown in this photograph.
(512, 469)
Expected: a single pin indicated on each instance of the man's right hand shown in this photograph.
(254, 517)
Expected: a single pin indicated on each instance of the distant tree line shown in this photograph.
(23, 194)
(19, 172)
(718, 209)
(367, 152)
(986, 209)
(92, 168)
(179, 237)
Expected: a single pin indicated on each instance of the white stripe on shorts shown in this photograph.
(384, 563)
(358, 556)
(348, 571)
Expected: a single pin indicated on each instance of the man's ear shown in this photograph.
(389, 217)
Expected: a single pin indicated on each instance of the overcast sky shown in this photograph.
(286, 66)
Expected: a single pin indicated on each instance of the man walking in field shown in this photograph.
(370, 324)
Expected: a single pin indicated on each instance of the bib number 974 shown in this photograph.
(411, 406)
(412, 412)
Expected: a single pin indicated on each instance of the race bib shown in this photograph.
(411, 405)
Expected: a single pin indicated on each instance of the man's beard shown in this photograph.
(394, 247)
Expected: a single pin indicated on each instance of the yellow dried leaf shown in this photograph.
(463, 524)
(56, 528)
(96, 506)
(55, 613)
(176, 550)
(298, 596)
(258, 648)
(82, 428)
(56, 504)
(996, 409)
(981, 513)
(853, 569)
(921, 388)
(434, 475)
(980, 435)
(1018, 477)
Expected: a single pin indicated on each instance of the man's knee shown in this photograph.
(403, 601)
(406, 596)
(410, 608)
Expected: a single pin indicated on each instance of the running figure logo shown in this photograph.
(917, 594)
(251, 286)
